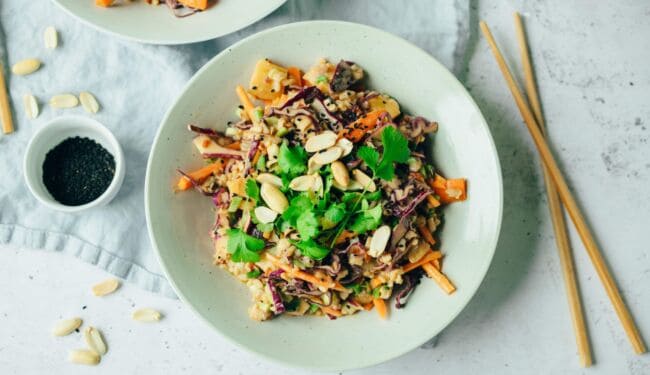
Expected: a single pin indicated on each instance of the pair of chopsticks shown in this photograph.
(557, 190)
(5, 110)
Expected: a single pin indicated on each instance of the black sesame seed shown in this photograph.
(254, 87)
(240, 106)
(77, 171)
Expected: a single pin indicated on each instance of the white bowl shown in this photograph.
(463, 147)
(141, 22)
(55, 132)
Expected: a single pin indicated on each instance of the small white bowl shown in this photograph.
(52, 134)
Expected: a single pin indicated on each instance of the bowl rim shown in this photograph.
(432, 60)
(100, 132)
(162, 41)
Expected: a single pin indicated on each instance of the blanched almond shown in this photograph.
(89, 102)
(346, 145)
(146, 315)
(84, 357)
(31, 106)
(364, 180)
(25, 67)
(50, 37)
(274, 198)
(269, 179)
(64, 101)
(312, 165)
(321, 141)
(105, 287)
(265, 215)
(341, 174)
(66, 326)
(94, 340)
(330, 155)
(302, 183)
(379, 241)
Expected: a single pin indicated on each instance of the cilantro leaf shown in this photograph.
(312, 249)
(242, 247)
(370, 156)
(333, 215)
(297, 206)
(367, 219)
(252, 190)
(396, 147)
(261, 163)
(254, 274)
(307, 225)
(292, 160)
(234, 204)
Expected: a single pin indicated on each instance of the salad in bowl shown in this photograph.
(325, 202)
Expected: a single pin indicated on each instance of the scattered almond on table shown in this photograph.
(88, 102)
(26, 67)
(146, 315)
(66, 326)
(64, 101)
(31, 106)
(50, 38)
(94, 340)
(84, 357)
(105, 287)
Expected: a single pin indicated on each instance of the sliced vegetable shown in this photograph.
(380, 305)
(357, 130)
(266, 81)
(199, 175)
(439, 278)
(295, 74)
(449, 190)
(428, 258)
(196, 4)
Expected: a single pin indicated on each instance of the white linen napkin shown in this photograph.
(135, 84)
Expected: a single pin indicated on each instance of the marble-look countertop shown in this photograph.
(592, 64)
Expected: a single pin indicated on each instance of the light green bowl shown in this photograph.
(141, 22)
(463, 147)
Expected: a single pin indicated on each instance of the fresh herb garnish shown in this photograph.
(333, 215)
(367, 219)
(254, 274)
(252, 190)
(261, 164)
(307, 225)
(242, 247)
(312, 249)
(395, 150)
(292, 160)
(234, 203)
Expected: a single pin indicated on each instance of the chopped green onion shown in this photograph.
(259, 113)
(254, 274)
(321, 79)
(261, 163)
(234, 204)
(313, 308)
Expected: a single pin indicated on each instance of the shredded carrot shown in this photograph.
(437, 263)
(368, 306)
(358, 129)
(449, 190)
(234, 146)
(439, 278)
(433, 202)
(246, 102)
(375, 282)
(104, 3)
(302, 275)
(331, 311)
(427, 258)
(295, 73)
(344, 236)
(198, 175)
(424, 231)
(257, 156)
(380, 305)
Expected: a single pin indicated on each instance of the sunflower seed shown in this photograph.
(269, 179)
(364, 180)
(66, 326)
(379, 241)
(146, 315)
(330, 155)
(25, 67)
(31, 106)
(321, 141)
(274, 198)
(341, 174)
(50, 37)
(84, 357)
(89, 102)
(265, 215)
(106, 287)
(94, 340)
(346, 145)
(64, 101)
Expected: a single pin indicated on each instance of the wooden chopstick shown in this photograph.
(570, 203)
(555, 207)
(5, 110)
